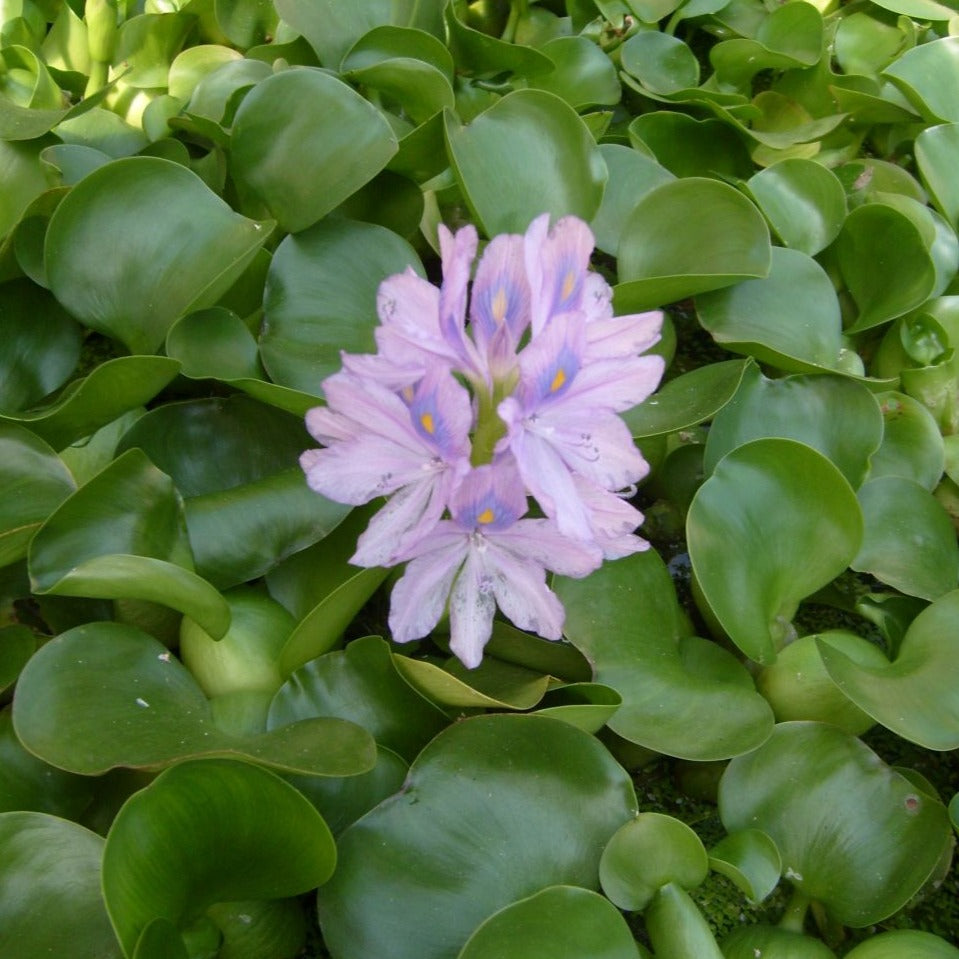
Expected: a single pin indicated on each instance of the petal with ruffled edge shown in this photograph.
(420, 595)
(622, 336)
(472, 605)
(556, 264)
(457, 251)
(540, 541)
(520, 589)
(615, 384)
(613, 520)
(551, 361)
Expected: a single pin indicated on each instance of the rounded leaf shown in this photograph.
(775, 522)
(772, 942)
(707, 236)
(750, 859)
(529, 153)
(421, 871)
(303, 141)
(100, 258)
(206, 832)
(559, 921)
(928, 75)
(853, 833)
(912, 446)
(904, 942)
(646, 853)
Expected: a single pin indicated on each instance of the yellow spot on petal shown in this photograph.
(558, 380)
(407, 393)
(499, 305)
(569, 281)
(487, 516)
(427, 420)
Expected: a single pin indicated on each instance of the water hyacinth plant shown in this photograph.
(612, 610)
(469, 422)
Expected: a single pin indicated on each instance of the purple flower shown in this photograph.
(483, 557)
(417, 452)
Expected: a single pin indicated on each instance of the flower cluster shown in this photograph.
(459, 424)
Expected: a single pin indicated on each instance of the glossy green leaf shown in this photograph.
(213, 93)
(362, 684)
(912, 446)
(560, 659)
(692, 148)
(589, 706)
(937, 152)
(662, 63)
(492, 685)
(341, 141)
(127, 701)
(148, 43)
(23, 178)
(834, 415)
(803, 201)
(676, 927)
(207, 832)
(681, 695)
(41, 345)
(105, 393)
(559, 921)
(647, 853)
(884, 286)
(419, 88)
(775, 522)
(50, 898)
(775, 942)
(789, 318)
(480, 53)
(688, 400)
(584, 75)
(904, 942)
(387, 42)
(798, 686)
(708, 235)
(33, 483)
(908, 541)
(99, 259)
(122, 535)
(631, 176)
(17, 645)
(853, 834)
(411, 859)
(750, 859)
(528, 154)
(320, 298)
(928, 75)
(914, 694)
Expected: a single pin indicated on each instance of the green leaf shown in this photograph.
(207, 832)
(692, 148)
(631, 176)
(834, 415)
(529, 153)
(303, 141)
(912, 446)
(105, 695)
(104, 394)
(588, 706)
(750, 859)
(420, 89)
(937, 152)
(854, 834)
(681, 696)
(41, 345)
(803, 201)
(362, 684)
(23, 178)
(745, 941)
(789, 318)
(928, 75)
(688, 400)
(419, 873)
(647, 853)
(33, 483)
(775, 522)
(50, 898)
(99, 259)
(798, 685)
(17, 645)
(677, 928)
(558, 920)
(584, 75)
(662, 63)
(914, 695)
(320, 298)
(122, 535)
(908, 542)
(708, 236)
(904, 942)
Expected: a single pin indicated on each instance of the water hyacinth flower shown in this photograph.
(484, 400)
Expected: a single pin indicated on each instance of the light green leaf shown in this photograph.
(750, 859)
(928, 75)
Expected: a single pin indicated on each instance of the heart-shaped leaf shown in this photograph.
(207, 832)
(775, 522)
(854, 834)
(413, 880)
(99, 259)
(528, 154)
